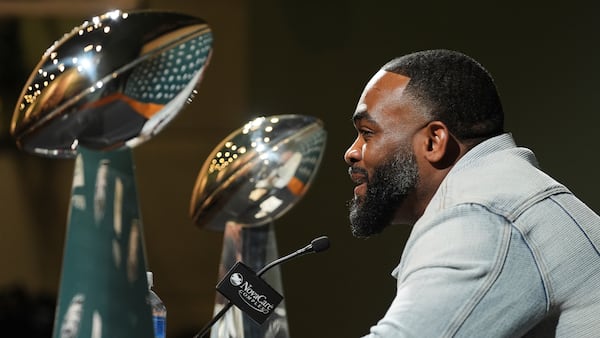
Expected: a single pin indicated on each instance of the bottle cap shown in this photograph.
(150, 278)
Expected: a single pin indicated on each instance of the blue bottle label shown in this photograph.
(159, 326)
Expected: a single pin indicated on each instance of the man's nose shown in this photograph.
(353, 154)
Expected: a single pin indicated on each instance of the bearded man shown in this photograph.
(497, 247)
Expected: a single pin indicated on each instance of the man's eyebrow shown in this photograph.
(361, 115)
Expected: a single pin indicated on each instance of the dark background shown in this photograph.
(303, 57)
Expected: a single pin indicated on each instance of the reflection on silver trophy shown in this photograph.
(251, 178)
(108, 85)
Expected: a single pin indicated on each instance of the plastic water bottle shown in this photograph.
(159, 311)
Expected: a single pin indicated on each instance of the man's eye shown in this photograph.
(365, 132)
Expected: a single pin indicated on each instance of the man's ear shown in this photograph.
(442, 150)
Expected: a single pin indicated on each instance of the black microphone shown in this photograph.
(316, 245)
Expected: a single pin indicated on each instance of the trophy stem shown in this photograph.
(255, 247)
(103, 288)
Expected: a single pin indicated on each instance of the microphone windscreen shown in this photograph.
(320, 244)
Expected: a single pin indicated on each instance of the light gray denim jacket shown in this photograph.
(502, 250)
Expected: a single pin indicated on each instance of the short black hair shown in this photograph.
(453, 88)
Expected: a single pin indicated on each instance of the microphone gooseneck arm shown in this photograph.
(212, 322)
(316, 245)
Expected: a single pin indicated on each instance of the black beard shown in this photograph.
(386, 191)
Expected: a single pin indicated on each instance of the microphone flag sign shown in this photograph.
(249, 292)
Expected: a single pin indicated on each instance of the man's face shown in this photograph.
(381, 159)
(387, 188)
